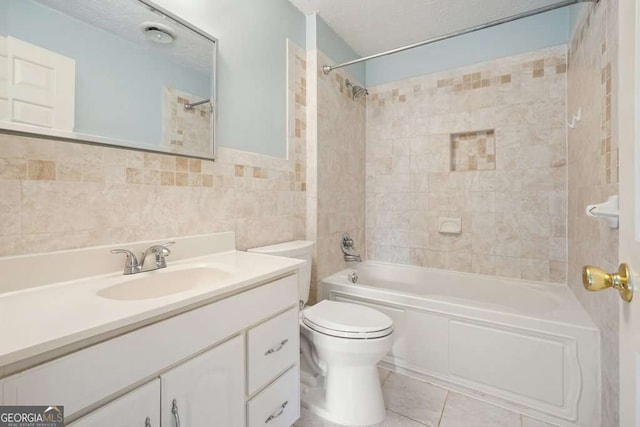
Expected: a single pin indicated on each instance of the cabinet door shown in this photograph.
(207, 390)
(141, 407)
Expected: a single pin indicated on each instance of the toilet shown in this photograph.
(341, 344)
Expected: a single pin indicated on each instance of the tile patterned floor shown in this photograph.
(413, 403)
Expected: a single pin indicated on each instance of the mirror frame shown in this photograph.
(84, 138)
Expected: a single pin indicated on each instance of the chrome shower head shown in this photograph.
(357, 92)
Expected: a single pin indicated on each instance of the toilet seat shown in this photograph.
(345, 320)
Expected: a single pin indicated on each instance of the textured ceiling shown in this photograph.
(373, 26)
(124, 18)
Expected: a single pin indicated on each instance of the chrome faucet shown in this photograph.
(131, 264)
(160, 251)
(348, 249)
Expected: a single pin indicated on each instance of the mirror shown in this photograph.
(123, 73)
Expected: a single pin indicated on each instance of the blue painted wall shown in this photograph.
(252, 86)
(322, 37)
(537, 32)
(252, 63)
(575, 12)
(118, 83)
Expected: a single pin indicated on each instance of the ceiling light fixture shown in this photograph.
(158, 33)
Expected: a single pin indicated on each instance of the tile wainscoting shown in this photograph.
(62, 195)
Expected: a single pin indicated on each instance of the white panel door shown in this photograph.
(138, 408)
(4, 80)
(208, 390)
(41, 86)
(629, 237)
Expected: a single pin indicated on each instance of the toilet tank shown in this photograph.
(299, 249)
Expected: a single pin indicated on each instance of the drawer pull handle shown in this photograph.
(280, 412)
(147, 422)
(276, 349)
(174, 411)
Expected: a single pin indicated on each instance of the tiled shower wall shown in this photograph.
(336, 144)
(593, 177)
(484, 143)
(60, 195)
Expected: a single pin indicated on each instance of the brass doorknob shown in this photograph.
(596, 279)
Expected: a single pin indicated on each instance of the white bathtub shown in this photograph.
(526, 346)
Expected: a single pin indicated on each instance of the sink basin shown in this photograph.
(161, 283)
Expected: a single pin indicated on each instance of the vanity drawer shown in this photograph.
(278, 405)
(271, 348)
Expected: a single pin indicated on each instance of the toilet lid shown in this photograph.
(342, 319)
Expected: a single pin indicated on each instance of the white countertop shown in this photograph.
(39, 320)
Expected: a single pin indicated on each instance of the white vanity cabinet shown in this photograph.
(200, 358)
(207, 390)
(137, 408)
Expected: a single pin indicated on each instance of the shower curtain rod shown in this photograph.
(328, 68)
(195, 104)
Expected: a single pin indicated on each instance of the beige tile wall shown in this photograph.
(514, 211)
(61, 195)
(312, 166)
(593, 176)
(336, 144)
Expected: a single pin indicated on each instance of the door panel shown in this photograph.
(4, 80)
(33, 114)
(41, 86)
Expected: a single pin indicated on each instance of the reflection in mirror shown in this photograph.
(121, 73)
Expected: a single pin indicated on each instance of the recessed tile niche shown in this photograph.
(472, 151)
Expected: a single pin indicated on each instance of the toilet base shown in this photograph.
(359, 402)
(340, 380)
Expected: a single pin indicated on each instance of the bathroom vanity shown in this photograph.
(223, 352)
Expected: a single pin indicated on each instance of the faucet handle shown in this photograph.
(162, 253)
(165, 250)
(348, 249)
(131, 263)
(347, 241)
